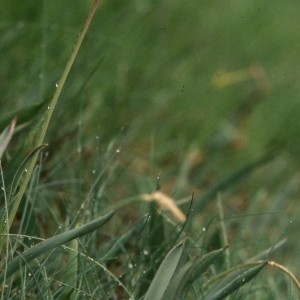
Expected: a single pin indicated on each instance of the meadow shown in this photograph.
(149, 151)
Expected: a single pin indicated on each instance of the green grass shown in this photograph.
(188, 103)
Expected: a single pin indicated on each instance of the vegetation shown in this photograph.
(158, 159)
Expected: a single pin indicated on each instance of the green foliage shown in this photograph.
(164, 100)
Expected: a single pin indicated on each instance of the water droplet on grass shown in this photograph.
(56, 84)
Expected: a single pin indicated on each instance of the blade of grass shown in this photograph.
(264, 254)
(231, 179)
(6, 230)
(52, 243)
(21, 170)
(235, 284)
(6, 136)
(201, 266)
(188, 273)
(70, 273)
(164, 274)
(156, 244)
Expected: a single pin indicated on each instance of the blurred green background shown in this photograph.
(187, 90)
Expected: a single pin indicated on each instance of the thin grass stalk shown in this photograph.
(6, 227)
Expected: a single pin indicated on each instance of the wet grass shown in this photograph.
(182, 99)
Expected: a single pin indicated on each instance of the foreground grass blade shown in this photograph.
(71, 270)
(187, 274)
(164, 274)
(236, 283)
(201, 266)
(52, 243)
(6, 135)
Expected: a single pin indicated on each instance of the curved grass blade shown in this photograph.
(236, 283)
(165, 273)
(201, 266)
(264, 254)
(187, 274)
(21, 170)
(6, 136)
(52, 243)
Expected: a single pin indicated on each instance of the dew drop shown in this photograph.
(56, 84)
(118, 150)
(203, 229)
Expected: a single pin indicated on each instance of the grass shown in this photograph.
(174, 139)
